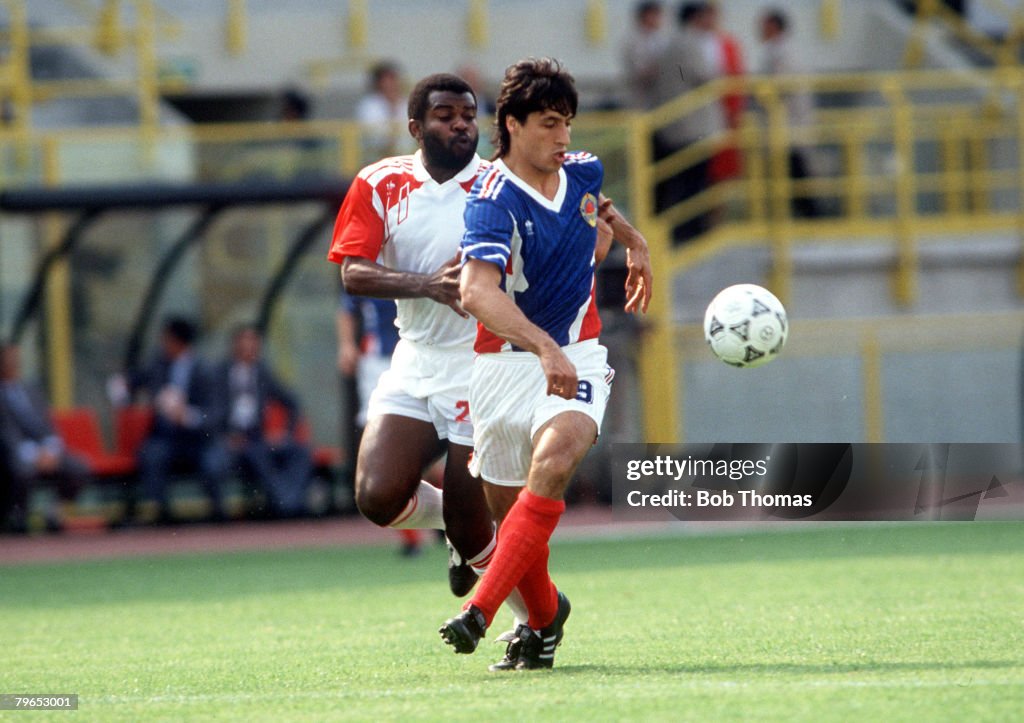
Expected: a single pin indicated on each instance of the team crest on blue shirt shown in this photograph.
(588, 208)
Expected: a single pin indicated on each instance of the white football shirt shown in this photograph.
(396, 214)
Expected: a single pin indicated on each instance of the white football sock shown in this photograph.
(518, 607)
(482, 559)
(422, 512)
(515, 600)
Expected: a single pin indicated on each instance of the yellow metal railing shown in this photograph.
(105, 29)
(1004, 51)
(949, 121)
(15, 78)
(914, 154)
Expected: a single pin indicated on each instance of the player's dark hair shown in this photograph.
(531, 85)
(778, 18)
(419, 98)
(181, 329)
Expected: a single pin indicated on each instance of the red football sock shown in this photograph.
(522, 540)
(539, 593)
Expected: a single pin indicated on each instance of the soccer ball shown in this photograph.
(745, 325)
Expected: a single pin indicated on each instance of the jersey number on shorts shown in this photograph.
(463, 406)
(585, 392)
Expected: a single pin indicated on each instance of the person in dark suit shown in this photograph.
(243, 386)
(33, 451)
(179, 386)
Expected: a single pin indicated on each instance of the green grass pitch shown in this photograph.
(854, 622)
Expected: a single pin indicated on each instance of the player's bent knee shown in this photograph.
(377, 502)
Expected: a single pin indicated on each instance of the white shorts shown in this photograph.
(430, 384)
(368, 373)
(510, 404)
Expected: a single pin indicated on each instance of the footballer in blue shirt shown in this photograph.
(540, 382)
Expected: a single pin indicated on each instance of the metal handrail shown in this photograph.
(961, 114)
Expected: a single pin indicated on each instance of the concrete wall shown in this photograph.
(962, 396)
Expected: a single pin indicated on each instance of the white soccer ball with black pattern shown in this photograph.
(745, 325)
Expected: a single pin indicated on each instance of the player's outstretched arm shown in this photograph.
(483, 298)
(363, 277)
(638, 258)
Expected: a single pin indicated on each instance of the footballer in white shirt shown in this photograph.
(397, 236)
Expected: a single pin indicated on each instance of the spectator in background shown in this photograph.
(779, 59)
(728, 162)
(33, 449)
(383, 113)
(642, 53)
(294, 106)
(470, 73)
(243, 385)
(178, 385)
(688, 62)
(367, 337)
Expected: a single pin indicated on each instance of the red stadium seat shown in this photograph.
(275, 423)
(131, 425)
(80, 430)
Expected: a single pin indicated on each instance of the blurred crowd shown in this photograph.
(669, 51)
(667, 56)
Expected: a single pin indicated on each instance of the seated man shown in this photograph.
(178, 385)
(243, 385)
(33, 449)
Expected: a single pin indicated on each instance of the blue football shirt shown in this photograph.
(544, 247)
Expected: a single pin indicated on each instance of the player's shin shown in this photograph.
(468, 522)
(482, 560)
(539, 593)
(522, 540)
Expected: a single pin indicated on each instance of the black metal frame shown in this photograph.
(213, 199)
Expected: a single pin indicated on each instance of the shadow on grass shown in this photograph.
(795, 670)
